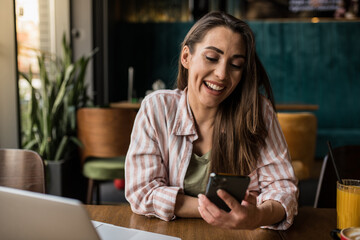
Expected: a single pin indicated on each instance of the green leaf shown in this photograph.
(59, 98)
(61, 148)
(31, 144)
(77, 141)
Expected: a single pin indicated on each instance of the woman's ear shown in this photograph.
(185, 57)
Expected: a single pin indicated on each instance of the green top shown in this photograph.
(196, 177)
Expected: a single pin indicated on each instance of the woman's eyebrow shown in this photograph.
(221, 52)
(215, 49)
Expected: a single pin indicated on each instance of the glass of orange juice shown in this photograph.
(348, 203)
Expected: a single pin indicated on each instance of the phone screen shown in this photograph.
(235, 185)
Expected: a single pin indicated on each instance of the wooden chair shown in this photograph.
(22, 169)
(347, 159)
(300, 133)
(105, 134)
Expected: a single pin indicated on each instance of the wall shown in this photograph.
(316, 63)
(9, 132)
(81, 30)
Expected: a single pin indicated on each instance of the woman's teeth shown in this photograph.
(213, 86)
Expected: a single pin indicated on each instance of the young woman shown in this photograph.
(217, 120)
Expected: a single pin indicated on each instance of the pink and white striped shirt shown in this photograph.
(160, 151)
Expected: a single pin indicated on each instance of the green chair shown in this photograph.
(105, 134)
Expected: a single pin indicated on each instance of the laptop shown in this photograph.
(29, 215)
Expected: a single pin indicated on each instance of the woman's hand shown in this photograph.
(242, 216)
(246, 215)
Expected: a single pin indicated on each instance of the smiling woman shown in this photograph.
(217, 120)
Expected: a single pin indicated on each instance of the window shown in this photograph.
(40, 25)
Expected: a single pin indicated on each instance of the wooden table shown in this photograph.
(309, 224)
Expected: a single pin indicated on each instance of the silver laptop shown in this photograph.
(29, 215)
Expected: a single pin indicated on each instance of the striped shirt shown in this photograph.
(160, 151)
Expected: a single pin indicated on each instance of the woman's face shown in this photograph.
(215, 67)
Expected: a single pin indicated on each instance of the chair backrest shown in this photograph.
(22, 169)
(347, 159)
(104, 132)
(300, 133)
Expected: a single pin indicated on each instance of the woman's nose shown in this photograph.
(221, 71)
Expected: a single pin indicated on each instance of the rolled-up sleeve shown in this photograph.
(147, 183)
(276, 178)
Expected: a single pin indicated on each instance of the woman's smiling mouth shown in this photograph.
(213, 87)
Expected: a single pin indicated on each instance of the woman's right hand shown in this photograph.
(241, 216)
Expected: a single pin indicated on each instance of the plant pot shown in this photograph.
(55, 176)
(64, 178)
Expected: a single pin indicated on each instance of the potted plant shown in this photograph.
(49, 125)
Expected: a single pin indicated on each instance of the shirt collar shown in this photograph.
(184, 121)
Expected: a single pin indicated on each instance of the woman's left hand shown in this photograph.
(241, 216)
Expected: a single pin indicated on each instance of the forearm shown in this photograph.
(186, 206)
(270, 213)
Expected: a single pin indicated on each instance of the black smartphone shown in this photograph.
(235, 185)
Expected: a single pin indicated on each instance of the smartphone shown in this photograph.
(235, 185)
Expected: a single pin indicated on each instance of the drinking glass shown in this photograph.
(348, 203)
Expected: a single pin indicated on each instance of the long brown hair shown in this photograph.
(239, 128)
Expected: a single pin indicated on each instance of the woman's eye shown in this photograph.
(236, 66)
(211, 59)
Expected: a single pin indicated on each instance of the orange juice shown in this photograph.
(348, 204)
